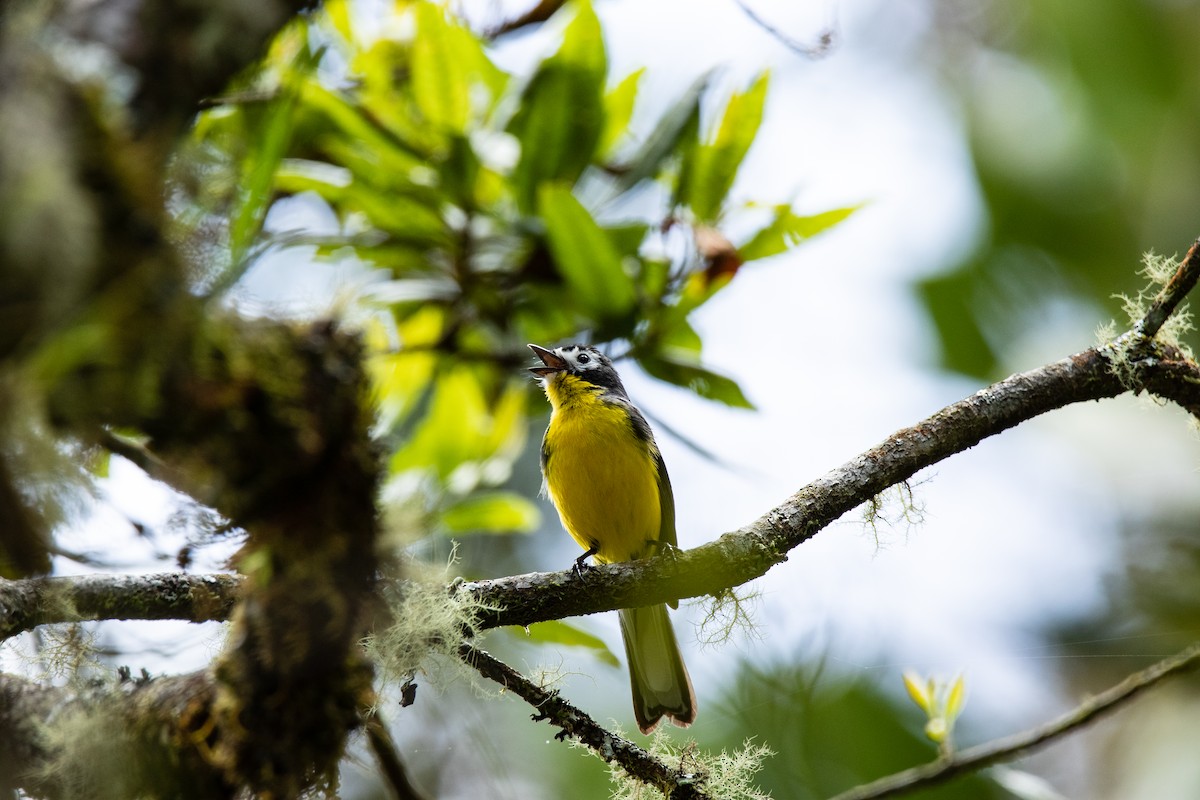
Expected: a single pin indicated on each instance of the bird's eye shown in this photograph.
(583, 358)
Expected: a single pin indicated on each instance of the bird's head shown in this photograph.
(577, 362)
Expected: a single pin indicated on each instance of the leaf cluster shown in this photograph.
(492, 209)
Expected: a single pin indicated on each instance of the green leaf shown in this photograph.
(559, 632)
(561, 113)
(672, 128)
(492, 512)
(99, 463)
(618, 111)
(387, 152)
(679, 337)
(627, 237)
(715, 164)
(585, 256)
(440, 78)
(695, 378)
(273, 134)
(337, 13)
(788, 229)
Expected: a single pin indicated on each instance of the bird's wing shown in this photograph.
(666, 501)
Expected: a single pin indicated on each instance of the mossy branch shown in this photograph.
(748, 553)
(1172, 294)
(25, 604)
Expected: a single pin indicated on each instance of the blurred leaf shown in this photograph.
(338, 14)
(584, 254)
(695, 378)
(448, 66)
(919, 690)
(440, 78)
(678, 339)
(950, 299)
(628, 237)
(956, 698)
(618, 111)
(492, 512)
(561, 114)
(715, 164)
(563, 633)
(402, 379)
(788, 229)
(671, 129)
(448, 437)
(273, 129)
(100, 462)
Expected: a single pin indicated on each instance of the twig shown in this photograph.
(534, 16)
(384, 748)
(142, 458)
(825, 42)
(975, 758)
(674, 783)
(1173, 293)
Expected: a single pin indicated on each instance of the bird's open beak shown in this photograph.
(553, 363)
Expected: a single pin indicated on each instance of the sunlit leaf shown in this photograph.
(337, 12)
(585, 256)
(492, 512)
(100, 462)
(401, 371)
(956, 698)
(679, 339)
(273, 124)
(918, 690)
(715, 163)
(561, 114)
(440, 77)
(564, 633)
(618, 111)
(788, 229)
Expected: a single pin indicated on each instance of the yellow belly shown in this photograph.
(603, 481)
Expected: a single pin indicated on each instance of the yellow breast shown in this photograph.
(601, 477)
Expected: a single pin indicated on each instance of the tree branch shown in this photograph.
(25, 604)
(748, 553)
(674, 783)
(1173, 293)
(729, 561)
(139, 738)
(974, 758)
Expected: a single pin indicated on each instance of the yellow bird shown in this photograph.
(606, 476)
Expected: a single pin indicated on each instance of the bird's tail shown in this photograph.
(661, 686)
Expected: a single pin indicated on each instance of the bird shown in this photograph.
(606, 477)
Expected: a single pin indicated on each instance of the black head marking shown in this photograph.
(584, 362)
